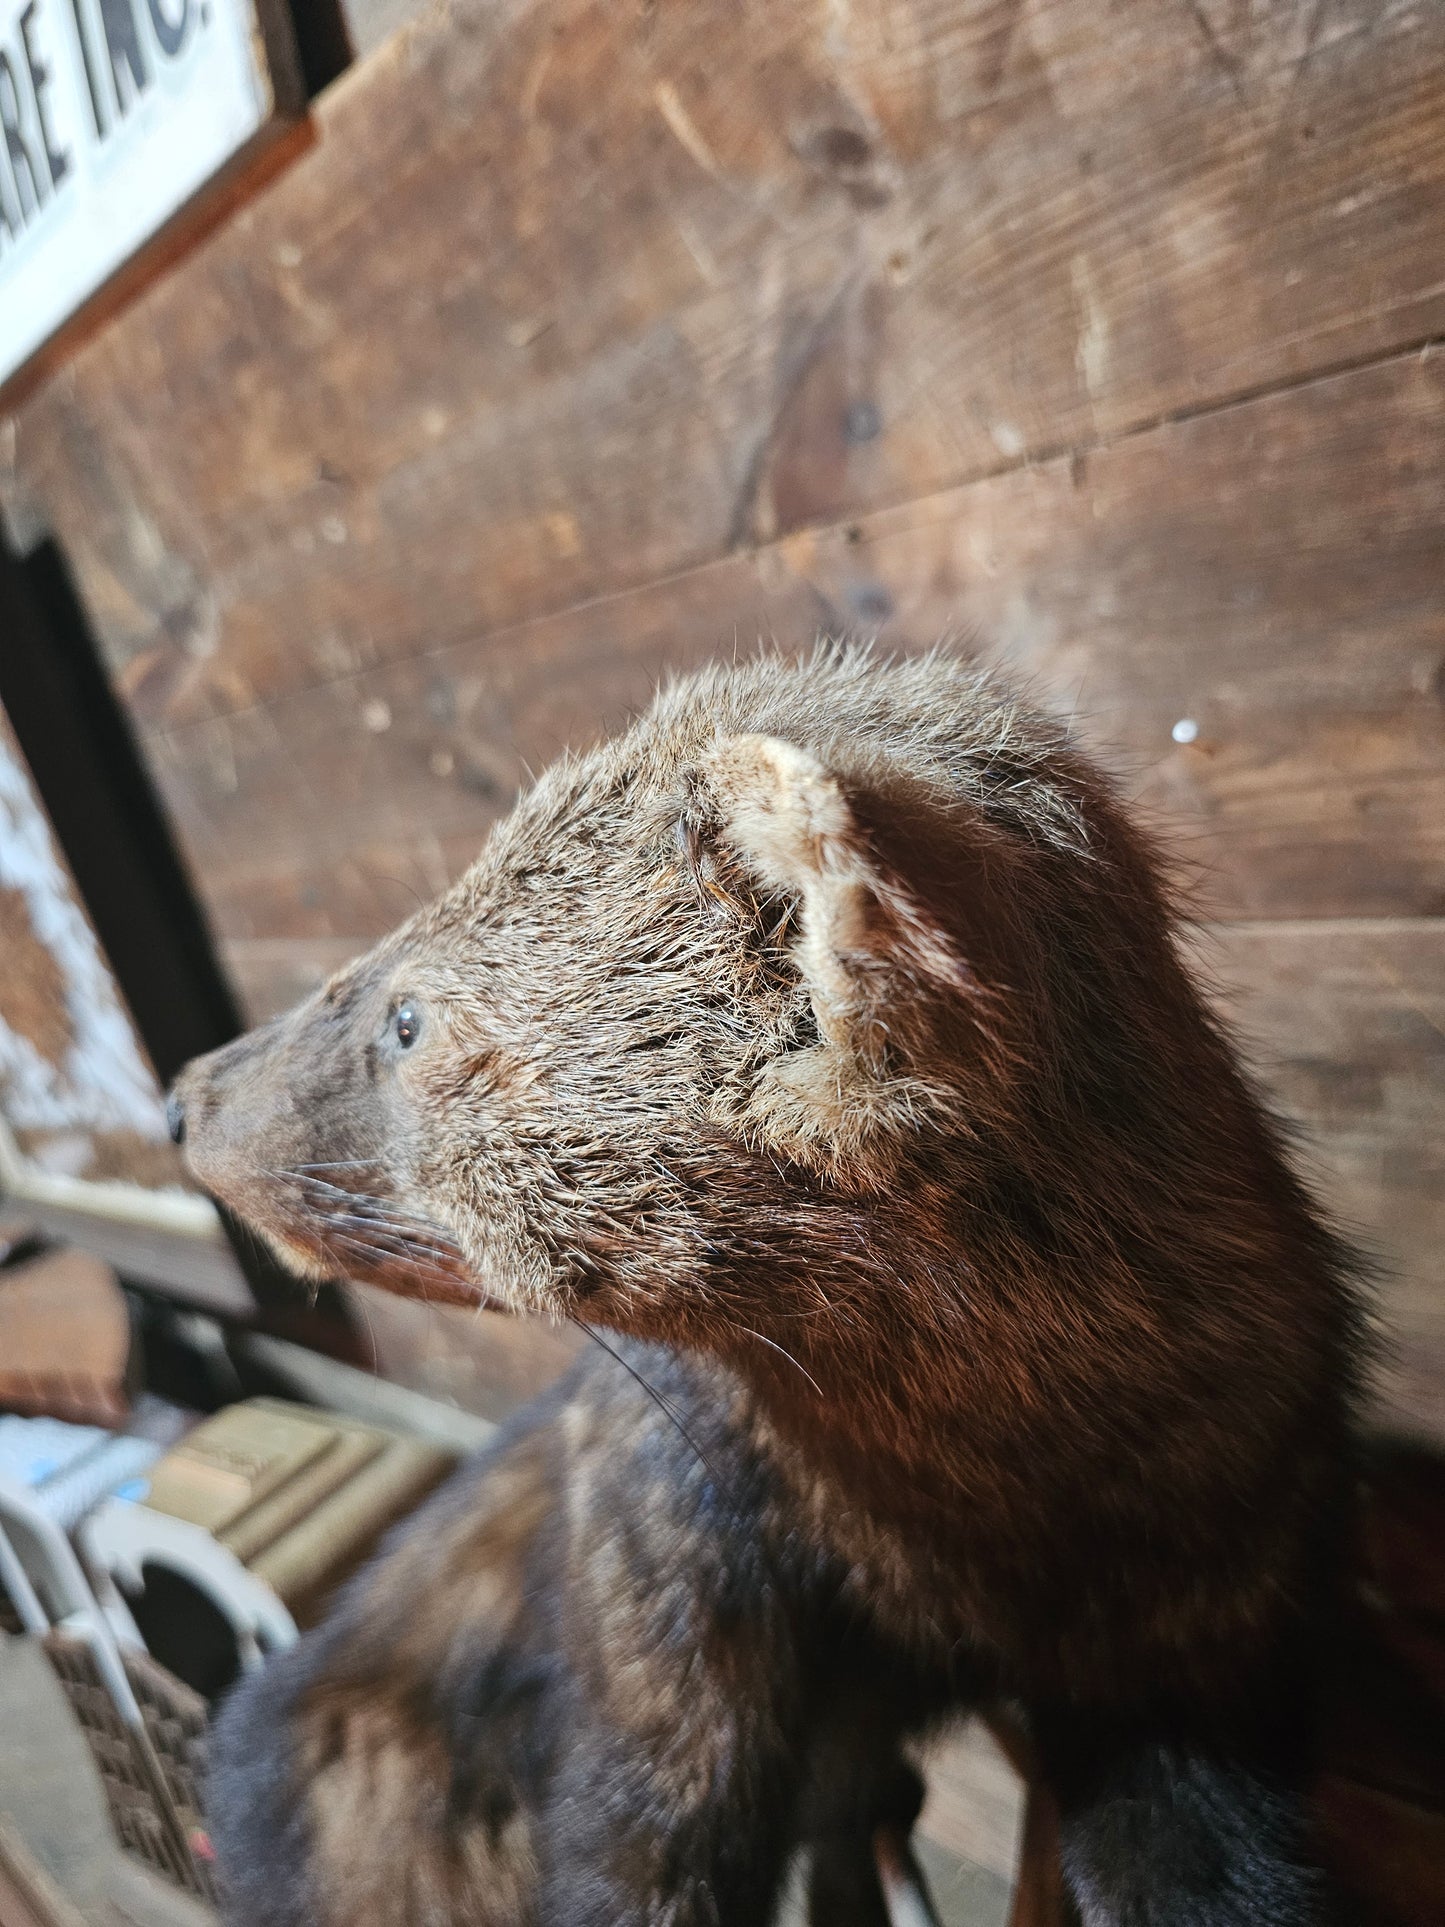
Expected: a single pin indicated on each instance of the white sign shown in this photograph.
(112, 114)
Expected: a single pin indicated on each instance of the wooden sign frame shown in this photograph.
(283, 40)
(111, 832)
(102, 846)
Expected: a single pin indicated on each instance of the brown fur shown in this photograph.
(829, 1027)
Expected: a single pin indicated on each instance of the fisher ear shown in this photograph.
(781, 809)
(873, 961)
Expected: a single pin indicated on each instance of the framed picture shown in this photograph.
(84, 1150)
(127, 128)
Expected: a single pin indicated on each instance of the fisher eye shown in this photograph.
(407, 1025)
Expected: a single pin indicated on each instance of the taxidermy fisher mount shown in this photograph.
(824, 1043)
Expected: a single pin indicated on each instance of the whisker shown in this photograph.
(783, 1354)
(395, 1233)
(361, 1207)
(403, 1251)
(652, 1392)
(324, 1186)
(389, 1261)
(358, 1300)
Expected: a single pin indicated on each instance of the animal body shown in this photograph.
(823, 1041)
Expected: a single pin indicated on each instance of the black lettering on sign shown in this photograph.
(57, 161)
(127, 55)
(171, 34)
(30, 181)
(100, 119)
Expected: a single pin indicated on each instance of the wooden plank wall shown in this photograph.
(593, 339)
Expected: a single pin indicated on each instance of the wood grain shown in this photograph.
(573, 295)
(1274, 572)
(1345, 1026)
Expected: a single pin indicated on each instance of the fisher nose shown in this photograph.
(176, 1118)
